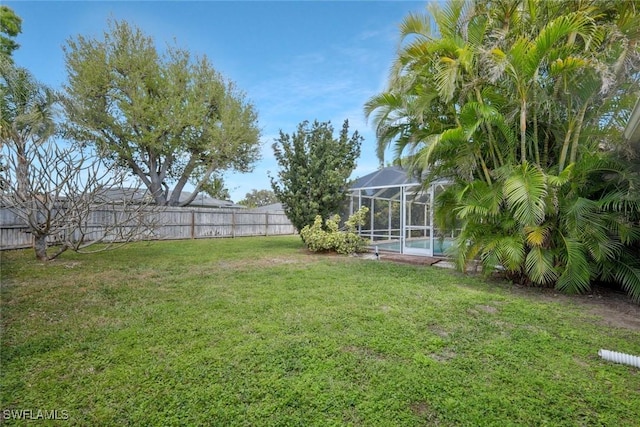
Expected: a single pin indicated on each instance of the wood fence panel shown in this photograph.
(173, 224)
(278, 224)
(213, 224)
(13, 233)
(250, 224)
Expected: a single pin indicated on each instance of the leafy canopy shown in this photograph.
(11, 25)
(314, 168)
(165, 116)
(256, 198)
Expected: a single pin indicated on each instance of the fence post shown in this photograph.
(193, 224)
(233, 223)
(266, 223)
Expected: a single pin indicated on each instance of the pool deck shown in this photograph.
(410, 259)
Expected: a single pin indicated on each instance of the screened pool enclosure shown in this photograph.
(400, 217)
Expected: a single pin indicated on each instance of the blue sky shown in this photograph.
(296, 60)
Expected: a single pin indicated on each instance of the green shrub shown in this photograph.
(327, 236)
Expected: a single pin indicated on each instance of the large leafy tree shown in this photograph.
(314, 168)
(168, 118)
(521, 104)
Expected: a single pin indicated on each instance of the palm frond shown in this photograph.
(562, 178)
(525, 193)
(575, 275)
(511, 251)
(537, 235)
(448, 17)
(566, 65)
(577, 212)
(559, 28)
(539, 265)
(445, 203)
(628, 275)
(479, 199)
(477, 29)
(446, 77)
(415, 24)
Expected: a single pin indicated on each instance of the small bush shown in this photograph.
(329, 237)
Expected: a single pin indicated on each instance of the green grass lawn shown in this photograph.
(256, 332)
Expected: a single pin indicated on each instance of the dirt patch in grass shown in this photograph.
(441, 332)
(614, 308)
(363, 351)
(443, 356)
(487, 308)
(423, 410)
(482, 308)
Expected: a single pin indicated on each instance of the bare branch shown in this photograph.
(74, 200)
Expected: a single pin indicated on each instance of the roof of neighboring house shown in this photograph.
(202, 200)
(139, 195)
(275, 207)
(119, 194)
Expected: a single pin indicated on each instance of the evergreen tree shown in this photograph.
(314, 168)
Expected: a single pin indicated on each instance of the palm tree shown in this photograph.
(26, 115)
(514, 101)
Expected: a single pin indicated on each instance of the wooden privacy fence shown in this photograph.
(173, 223)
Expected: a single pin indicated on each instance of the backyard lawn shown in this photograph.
(258, 332)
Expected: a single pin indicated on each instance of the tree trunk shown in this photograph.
(22, 171)
(576, 134)
(523, 130)
(40, 247)
(157, 192)
(565, 146)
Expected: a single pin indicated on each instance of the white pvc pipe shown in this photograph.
(625, 359)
